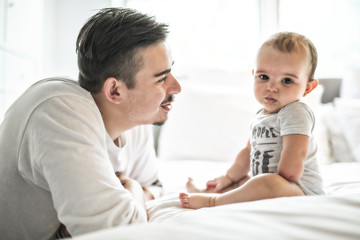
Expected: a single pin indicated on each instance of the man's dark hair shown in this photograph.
(108, 43)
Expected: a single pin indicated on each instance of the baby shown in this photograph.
(279, 159)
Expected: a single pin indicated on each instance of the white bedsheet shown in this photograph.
(335, 215)
(319, 217)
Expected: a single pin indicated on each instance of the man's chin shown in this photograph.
(158, 123)
(161, 120)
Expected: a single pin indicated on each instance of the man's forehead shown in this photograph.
(156, 55)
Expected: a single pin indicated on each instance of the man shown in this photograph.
(62, 141)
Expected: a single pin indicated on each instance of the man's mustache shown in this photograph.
(170, 99)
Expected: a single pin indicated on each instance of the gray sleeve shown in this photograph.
(296, 118)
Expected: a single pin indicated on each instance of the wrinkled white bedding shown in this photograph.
(335, 215)
(340, 180)
(319, 217)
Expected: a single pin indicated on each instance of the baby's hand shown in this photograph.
(219, 183)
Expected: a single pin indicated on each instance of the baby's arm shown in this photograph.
(294, 152)
(236, 172)
(241, 166)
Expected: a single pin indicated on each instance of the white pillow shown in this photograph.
(209, 122)
(332, 144)
(350, 85)
(349, 119)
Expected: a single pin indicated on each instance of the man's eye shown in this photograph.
(287, 81)
(163, 79)
(264, 77)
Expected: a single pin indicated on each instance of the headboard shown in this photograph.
(331, 89)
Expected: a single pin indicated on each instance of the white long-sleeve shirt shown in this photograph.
(57, 164)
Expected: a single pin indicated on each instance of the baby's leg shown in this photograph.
(264, 186)
(196, 201)
(260, 187)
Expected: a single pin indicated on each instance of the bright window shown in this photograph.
(208, 34)
(225, 34)
(332, 25)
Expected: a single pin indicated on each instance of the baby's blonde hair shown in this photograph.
(293, 42)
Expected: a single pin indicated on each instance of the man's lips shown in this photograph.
(270, 99)
(166, 106)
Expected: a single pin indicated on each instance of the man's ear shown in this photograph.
(112, 89)
(311, 85)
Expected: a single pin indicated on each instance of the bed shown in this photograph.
(204, 145)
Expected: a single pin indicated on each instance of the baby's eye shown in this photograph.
(264, 77)
(287, 81)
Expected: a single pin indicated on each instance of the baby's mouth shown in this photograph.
(270, 99)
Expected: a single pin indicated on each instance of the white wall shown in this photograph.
(38, 40)
(63, 21)
(21, 47)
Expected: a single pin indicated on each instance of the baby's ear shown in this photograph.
(311, 85)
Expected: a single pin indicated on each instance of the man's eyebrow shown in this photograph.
(164, 72)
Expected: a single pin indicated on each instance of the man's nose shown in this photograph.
(173, 85)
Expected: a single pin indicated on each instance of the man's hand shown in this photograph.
(127, 182)
(148, 195)
(130, 184)
(134, 187)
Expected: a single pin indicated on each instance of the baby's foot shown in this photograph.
(184, 200)
(196, 201)
(190, 186)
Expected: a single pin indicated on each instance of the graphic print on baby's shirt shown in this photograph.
(264, 145)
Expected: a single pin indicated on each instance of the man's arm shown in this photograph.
(133, 187)
(73, 165)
